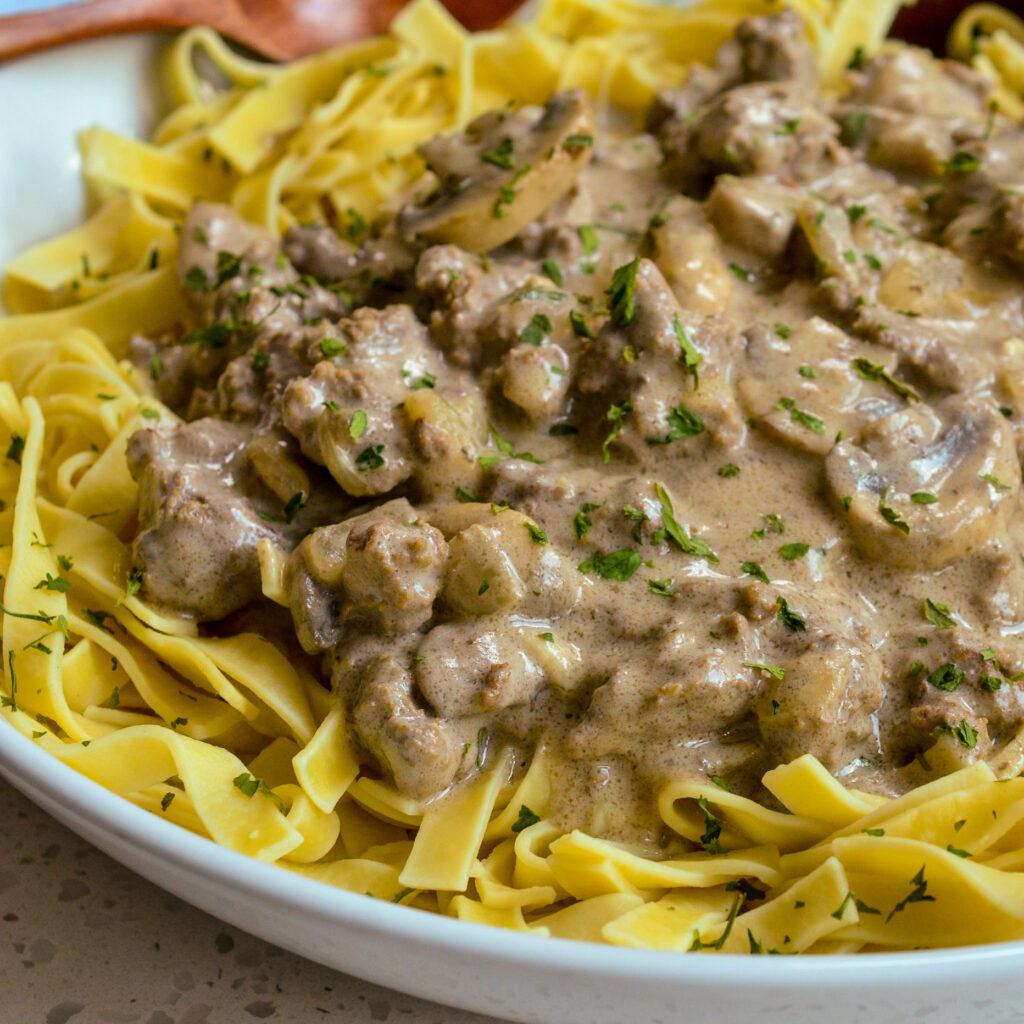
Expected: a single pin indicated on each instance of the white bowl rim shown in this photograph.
(37, 773)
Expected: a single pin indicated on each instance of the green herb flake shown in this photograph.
(165, 801)
(938, 614)
(54, 583)
(588, 238)
(550, 267)
(617, 565)
(712, 828)
(874, 371)
(741, 272)
(891, 516)
(686, 543)
(622, 293)
(690, 356)
(663, 588)
(729, 470)
(773, 670)
(525, 820)
(755, 570)
(805, 419)
(956, 851)
(330, 347)
(995, 482)
(536, 330)
(682, 423)
(923, 498)
(579, 325)
(791, 552)
(296, 503)
(917, 895)
(538, 535)
(16, 448)
(501, 156)
(370, 458)
(961, 162)
(791, 620)
(947, 677)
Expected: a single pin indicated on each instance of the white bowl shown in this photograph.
(43, 101)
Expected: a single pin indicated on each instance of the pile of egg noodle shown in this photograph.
(224, 736)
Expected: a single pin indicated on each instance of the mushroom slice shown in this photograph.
(925, 486)
(503, 172)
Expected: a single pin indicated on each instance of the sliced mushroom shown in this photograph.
(503, 172)
(924, 486)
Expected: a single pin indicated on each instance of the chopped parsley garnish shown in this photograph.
(333, 347)
(465, 496)
(581, 522)
(947, 677)
(579, 325)
(296, 503)
(483, 588)
(891, 516)
(229, 265)
(370, 458)
(577, 141)
(805, 419)
(791, 552)
(616, 413)
(622, 293)
(712, 828)
(250, 786)
(741, 272)
(810, 372)
(506, 447)
(357, 424)
(54, 583)
(588, 238)
(501, 156)
(961, 162)
(682, 423)
(663, 588)
(536, 330)
(194, 279)
(550, 267)
(957, 852)
(755, 570)
(873, 371)
(16, 448)
(134, 584)
(923, 498)
(917, 895)
(617, 565)
(995, 482)
(989, 683)
(691, 357)
(672, 529)
(538, 535)
(938, 614)
(964, 733)
(526, 819)
(428, 380)
(165, 801)
(791, 620)
(730, 469)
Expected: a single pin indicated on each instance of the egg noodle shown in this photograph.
(224, 735)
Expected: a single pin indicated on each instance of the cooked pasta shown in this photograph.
(226, 734)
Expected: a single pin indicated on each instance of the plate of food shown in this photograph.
(533, 518)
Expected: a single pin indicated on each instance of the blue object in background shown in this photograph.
(20, 6)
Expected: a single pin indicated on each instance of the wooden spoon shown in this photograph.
(278, 29)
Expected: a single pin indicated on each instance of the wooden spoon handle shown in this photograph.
(26, 33)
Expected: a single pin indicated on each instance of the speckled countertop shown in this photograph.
(85, 940)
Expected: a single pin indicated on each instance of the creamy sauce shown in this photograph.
(713, 461)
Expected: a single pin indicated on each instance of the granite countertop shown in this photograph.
(85, 940)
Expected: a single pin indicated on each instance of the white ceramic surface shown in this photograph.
(43, 101)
